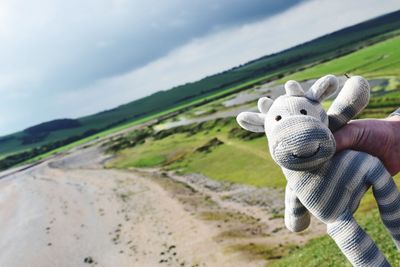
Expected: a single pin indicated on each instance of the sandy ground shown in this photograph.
(70, 211)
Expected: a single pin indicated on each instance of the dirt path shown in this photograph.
(70, 211)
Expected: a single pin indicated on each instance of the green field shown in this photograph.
(224, 162)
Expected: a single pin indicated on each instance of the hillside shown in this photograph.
(219, 149)
(177, 148)
(262, 70)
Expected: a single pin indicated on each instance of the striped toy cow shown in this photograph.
(327, 185)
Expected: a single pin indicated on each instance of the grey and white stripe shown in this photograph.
(349, 102)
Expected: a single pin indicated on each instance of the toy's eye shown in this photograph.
(303, 111)
(278, 118)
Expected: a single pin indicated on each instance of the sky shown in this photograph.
(66, 59)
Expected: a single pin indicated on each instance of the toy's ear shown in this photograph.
(251, 121)
(264, 103)
(323, 88)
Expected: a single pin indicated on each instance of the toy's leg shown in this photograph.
(388, 198)
(355, 244)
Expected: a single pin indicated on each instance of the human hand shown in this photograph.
(378, 137)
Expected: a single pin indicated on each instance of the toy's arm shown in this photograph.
(297, 217)
(351, 100)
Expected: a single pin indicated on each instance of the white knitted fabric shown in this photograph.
(328, 185)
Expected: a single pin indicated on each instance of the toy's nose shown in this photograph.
(299, 135)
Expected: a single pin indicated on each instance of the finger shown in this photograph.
(346, 137)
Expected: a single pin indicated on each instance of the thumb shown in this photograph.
(350, 136)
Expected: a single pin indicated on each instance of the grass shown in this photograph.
(226, 163)
(153, 151)
(323, 251)
(223, 163)
(379, 60)
(227, 216)
(261, 251)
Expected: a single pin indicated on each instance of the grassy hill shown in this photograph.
(55, 134)
(176, 148)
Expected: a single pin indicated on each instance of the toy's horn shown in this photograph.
(293, 88)
(264, 103)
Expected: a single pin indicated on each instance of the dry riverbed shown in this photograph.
(70, 211)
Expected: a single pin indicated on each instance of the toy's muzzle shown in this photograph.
(301, 143)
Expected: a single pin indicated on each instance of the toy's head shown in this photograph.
(296, 125)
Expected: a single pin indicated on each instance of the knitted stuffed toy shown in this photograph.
(327, 185)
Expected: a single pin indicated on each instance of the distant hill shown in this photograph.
(39, 132)
(58, 132)
(54, 125)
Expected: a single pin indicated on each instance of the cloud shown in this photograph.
(78, 42)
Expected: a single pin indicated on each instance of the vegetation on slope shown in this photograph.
(177, 147)
(378, 60)
(194, 148)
